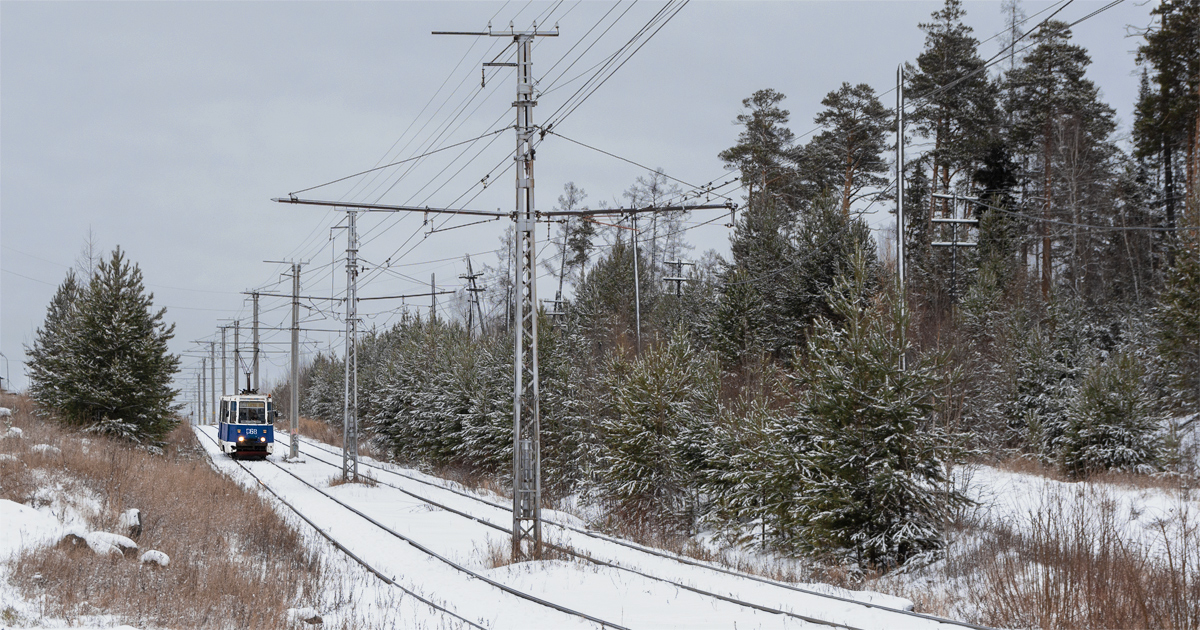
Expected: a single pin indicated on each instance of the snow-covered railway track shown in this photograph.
(896, 618)
(612, 565)
(343, 546)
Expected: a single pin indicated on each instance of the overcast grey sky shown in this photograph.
(165, 128)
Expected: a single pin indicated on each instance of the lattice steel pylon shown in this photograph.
(350, 404)
(527, 457)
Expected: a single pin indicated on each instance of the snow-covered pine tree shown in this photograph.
(1111, 423)
(51, 365)
(662, 405)
(118, 378)
(569, 445)
(1177, 319)
(866, 451)
(323, 399)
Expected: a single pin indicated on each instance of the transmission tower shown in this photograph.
(954, 243)
(473, 292)
(678, 278)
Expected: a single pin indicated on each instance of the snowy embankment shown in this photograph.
(1154, 519)
(641, 598)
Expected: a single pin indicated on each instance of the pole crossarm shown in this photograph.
(376, 207)
(304, 297)
(410, 295)
(508, 33)
(643, 210)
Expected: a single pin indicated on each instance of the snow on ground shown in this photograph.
(614, 595)
(1149, 517)
(22, 527)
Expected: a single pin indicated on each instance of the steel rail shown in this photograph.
(504, 587)
(343, 549)
(684, 560)
(611, 565)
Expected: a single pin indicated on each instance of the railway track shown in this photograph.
(903, 618)
(341, 546)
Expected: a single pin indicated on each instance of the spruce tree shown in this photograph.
(1111, 426)
(52, 366)
(655, 436)
(117, 373)
(865, 455)
(1177, 319)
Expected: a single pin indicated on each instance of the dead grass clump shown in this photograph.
(1070, 567)
(234, 562)
(473, 479)
(363, 479)
(499, 553)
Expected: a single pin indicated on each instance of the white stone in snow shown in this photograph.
(5, 412)
(107, 544)
(157, 557)
(46, 449)
(13, 432)
(131, 518)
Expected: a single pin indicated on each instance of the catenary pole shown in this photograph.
(212, 387)
(200, 393)
(254, 356)
(900, 204)
(637, 287)
(294, 389)
(350, 404)
(237, 355)
(224, 368)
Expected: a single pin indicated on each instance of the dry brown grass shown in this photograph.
(1162, 481)
(1071, 567)
(363, 480)
(234, 562)
(475, 480)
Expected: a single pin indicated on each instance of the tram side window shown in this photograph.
(232, 412)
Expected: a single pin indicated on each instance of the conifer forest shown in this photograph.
(795, 395)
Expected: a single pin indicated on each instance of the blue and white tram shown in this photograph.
(246, 430)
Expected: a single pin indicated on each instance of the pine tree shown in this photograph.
(1111, 426)
(952, 97)
(655, 436)
(865, 454)
(850, 147)
(763, 153)
(117, 371)
(605, 301)
(1168, 117)
(1062, 127)
(52, 366)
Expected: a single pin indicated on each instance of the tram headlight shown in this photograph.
(241, 438)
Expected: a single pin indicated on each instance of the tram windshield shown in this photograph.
(252, 412)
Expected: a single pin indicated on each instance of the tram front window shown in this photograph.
(252, 412)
